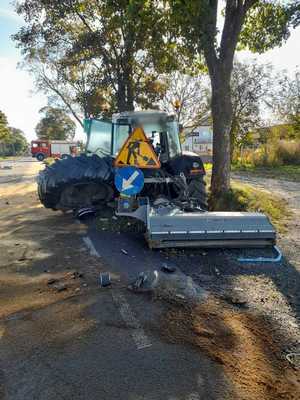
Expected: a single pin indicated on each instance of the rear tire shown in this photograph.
(197, 191)
(40, 157)
(76, 182)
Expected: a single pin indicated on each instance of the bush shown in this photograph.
(289, 152)
(281, 152)
(243, 197)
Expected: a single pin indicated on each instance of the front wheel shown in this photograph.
(197, 191)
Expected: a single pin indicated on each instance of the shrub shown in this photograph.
(281, 152)
(242, 197)
(289, 152)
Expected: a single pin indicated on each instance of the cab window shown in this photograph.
(99, 138)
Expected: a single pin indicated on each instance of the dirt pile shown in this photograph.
(246, 345)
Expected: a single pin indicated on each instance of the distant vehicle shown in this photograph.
(41, 149)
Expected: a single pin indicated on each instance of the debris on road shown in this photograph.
(294, 359)
(51, 281)
(59, 287)
(177, 286)
(124, 251)
(168, 268)
(75, 275)
(104, 279)
(85, 212)
(236, 300)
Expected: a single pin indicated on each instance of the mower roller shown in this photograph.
(172, 201)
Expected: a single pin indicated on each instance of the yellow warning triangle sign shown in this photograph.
(137, 151)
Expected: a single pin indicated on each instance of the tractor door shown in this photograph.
(99, 133)
(174, 145)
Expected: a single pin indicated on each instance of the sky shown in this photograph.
(21, 103)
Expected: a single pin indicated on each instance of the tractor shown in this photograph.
(172, 203)
(88, 180)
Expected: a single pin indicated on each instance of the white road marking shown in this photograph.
(90, 246)
(140, 339)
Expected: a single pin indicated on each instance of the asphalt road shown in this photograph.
(103, 343)
(106, 343)
(21, 169)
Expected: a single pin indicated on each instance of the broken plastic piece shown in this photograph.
(168, 268)
(85, 212)
(263, 259)
(104, 279)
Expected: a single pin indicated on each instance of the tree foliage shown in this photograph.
(187, 97)
(15, 143)
(98, 54)
(251, 87)
(12, 140)
(286, 100)
(4, 130)
(256, 24)
(55, 125)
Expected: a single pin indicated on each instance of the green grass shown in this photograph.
(244, 197)
(286, 172)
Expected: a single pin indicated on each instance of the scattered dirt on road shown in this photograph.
(37, 247)
(247, 346)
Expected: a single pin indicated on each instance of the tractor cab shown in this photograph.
(106, 138)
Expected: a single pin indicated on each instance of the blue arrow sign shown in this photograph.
(129, 180)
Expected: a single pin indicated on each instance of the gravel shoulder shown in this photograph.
(290, 192)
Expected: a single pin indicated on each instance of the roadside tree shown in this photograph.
(286, 101)
(55, 125)
(251, 88)
(188, 97)
(4, 129)
(254, 24)
(86, 51)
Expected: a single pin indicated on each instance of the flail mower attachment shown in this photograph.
(170, 226)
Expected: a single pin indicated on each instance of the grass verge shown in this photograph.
(286, 172)
(247, 198)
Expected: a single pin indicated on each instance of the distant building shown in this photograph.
(199, 140)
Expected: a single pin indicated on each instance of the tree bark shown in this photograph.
(220, 65)
(222, 115)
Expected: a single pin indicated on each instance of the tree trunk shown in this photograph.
(121, 95)
(222, 115)
(232, 141)
(125, 95)
(130, 95)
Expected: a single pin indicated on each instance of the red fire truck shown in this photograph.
(41, 149)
